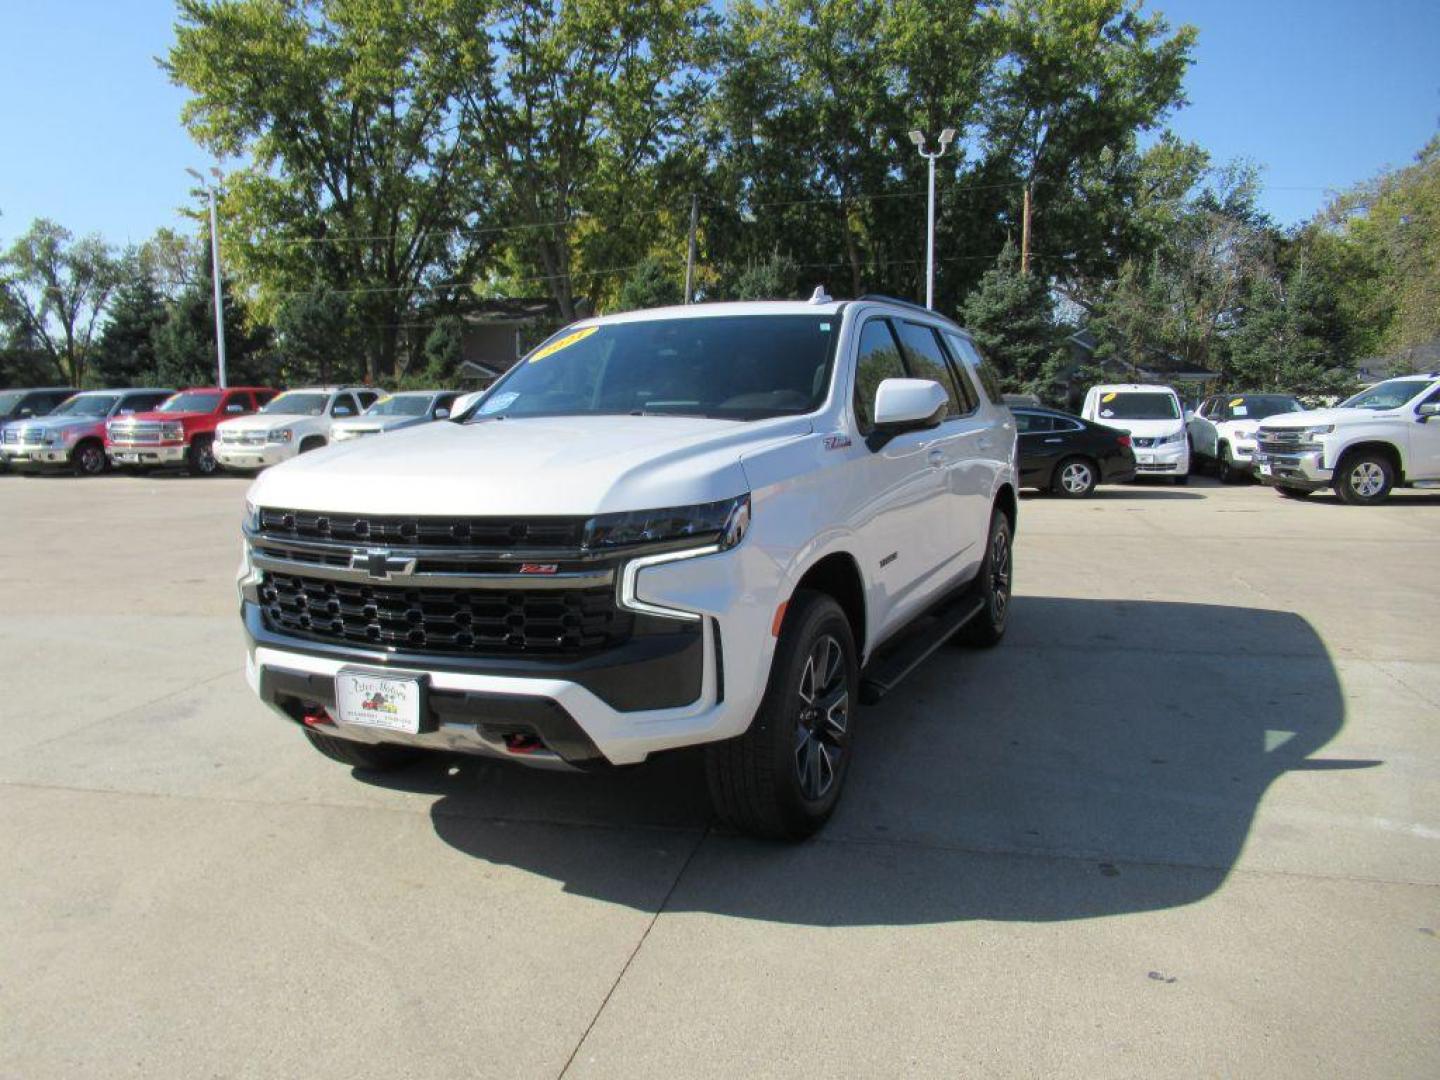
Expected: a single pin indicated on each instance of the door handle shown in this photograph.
(1053, 440)
(936, 457)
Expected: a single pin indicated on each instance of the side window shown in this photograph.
(445, 401)
(264, 397)
(238, 403)
(367, 398)
(877, 359)
(1434, 398)
(51, 402)
(1033, 423)
(968, 356)
(343, 405)
(926, 360)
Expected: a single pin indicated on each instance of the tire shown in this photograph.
(1364, 479)
(1225, 467)
(1075, 478)
(782, 779)
(313, 442)
(1293, 493)
(376, 757)
(200, 458)
(994, 584)
(88, 459)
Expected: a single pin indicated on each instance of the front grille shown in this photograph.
(466, 622)
(147, 432)
(10, 435)
(1279, 440)
(30, 436)
(530, 534)
(243, 438)
(1144, 443)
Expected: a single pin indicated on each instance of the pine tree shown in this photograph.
(1013, 320)
(126, 354)
(185, 345)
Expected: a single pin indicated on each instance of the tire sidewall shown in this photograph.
(202, 450)
(1345, 486)
(1059, 484)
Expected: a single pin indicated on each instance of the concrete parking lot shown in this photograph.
(1185, 820)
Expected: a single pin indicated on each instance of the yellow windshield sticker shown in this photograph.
(1109, 397)
(563, 343)
(1237, 401)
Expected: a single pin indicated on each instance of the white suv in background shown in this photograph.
(719, 525)
(1154, 420)
(293, 423)
(1223, 429)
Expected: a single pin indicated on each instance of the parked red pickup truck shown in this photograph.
(182, 430)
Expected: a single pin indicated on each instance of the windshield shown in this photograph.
(192, 401)
(1138, 405)
(732, 367)
(87, 405)
(1258, 406)
(9, 401)
(401, 405)
(298, 403)
(1390, 394)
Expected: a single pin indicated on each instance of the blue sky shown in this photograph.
(1321, 93)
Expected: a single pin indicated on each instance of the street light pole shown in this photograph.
(209, 190)
(918, 138)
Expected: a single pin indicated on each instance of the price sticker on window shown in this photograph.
(563, 343)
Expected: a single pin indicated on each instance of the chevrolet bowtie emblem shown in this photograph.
(381, 564)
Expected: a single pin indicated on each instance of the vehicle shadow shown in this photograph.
(1109, 757)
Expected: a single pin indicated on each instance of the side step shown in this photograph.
(899, 659)
(1427, 485)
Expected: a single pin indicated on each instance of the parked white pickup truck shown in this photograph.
(721, 524)
(296, 422)
(1385, 437)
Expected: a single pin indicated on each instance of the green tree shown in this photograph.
(316, 340)
(125, 355)
(775, 278)
(185, 352)
(1291, 335)
(443, 346)
(58, 289)
(1012, 317)
(654, 283)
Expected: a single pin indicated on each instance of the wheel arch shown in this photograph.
(838, 575)
(1006, 502)
(1377, 446)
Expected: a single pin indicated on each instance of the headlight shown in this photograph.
(279, 435)
(1319, 429)
(172, 431)
(252, 517)
(1179, 436)
(723, 523)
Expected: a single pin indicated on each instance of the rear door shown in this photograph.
(1040, 447)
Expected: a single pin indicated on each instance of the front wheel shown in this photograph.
(89, 459)
(200, 458)
(1180, 481)
(1364, 479)
(993, 585)
(782, 778)
(1229, 474)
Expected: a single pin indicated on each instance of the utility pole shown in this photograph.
(918, 138)
(209, 190)
(690, 254)
(1025, 232)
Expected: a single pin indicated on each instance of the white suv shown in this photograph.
(1154, 420)
(296, 422)
(1385, 437)
(721, 524)
(1223, 429)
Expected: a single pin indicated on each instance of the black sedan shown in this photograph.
(1068, 455)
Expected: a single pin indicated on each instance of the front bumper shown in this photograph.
(22, 455)
(1305, 470)
(616, 706)
(155, 454)
(251, 458)
(1169, 459)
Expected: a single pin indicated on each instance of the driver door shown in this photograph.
(1425, 444)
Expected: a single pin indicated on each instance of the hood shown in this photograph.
(1318, 417)
(160, 417)
(58, 423)
(571, 465)
(375, 423)
(262, 421)
(1145, 429)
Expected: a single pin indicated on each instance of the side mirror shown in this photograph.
(1189, 415)
(909, 405)
(25, 412)
(235, 408)
(442, 414)
(1427, 409)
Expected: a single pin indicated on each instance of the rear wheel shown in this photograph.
(1075, 478)
(88, 459)
(1180, 481)
(782, 778)
(1364, 479)
(375, 757)
(200, 458)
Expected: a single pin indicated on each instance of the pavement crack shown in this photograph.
(664, 903)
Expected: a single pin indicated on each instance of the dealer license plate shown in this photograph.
(1145, 459)
(1264, 469)
(377, 700)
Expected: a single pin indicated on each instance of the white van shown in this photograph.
(1155, 420)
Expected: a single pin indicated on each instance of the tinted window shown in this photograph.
(200, 401)
(298, 403)
(878, 359)
(1031, 423)
(367, 398)
(926, 360)
(729, 367)
(1137, 405)
(1386, 395)
(967, 353)
(1255, 406)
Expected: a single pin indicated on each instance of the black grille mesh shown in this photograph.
(469, 622)
(469, 532)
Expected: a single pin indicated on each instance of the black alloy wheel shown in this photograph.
(90, 459)
(822, 719)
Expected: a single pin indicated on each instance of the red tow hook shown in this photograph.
(316, 716)
(523, 744)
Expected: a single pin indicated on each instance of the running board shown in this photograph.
(885, 672)
(1427, 485)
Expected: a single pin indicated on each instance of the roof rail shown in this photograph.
(881, 297)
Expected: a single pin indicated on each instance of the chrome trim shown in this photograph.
(260, 560)
(627, 598)
(459, 553)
